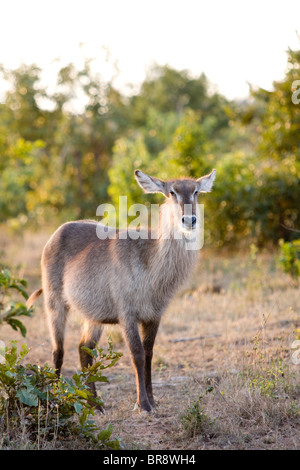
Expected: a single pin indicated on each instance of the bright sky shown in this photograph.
(234, 42)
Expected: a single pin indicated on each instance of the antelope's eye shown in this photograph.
(172, 193)
(196, 193)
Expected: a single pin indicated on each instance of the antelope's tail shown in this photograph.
(33, 297)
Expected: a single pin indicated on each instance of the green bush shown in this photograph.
(10, 311)
(52, 408)
(289, 259)
(195, 421)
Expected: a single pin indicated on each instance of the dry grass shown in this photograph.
(245, 314)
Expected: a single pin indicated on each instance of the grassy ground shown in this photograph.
(222, 369)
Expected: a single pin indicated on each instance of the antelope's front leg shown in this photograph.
(133, 340)
(149, 331)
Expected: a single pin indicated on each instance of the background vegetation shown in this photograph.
(59, 161)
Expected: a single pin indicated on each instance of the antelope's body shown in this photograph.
(125, 281)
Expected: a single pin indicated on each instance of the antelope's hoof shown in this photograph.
(100, 410)
(143, 411)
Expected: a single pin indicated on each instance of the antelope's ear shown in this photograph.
(150, 184)
(205, 183)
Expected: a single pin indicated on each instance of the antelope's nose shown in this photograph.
(189, 220)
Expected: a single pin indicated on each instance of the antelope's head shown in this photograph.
(181, 197)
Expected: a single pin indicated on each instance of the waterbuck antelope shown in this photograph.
(122, 280)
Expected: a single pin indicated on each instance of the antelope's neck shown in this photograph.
(171, 265)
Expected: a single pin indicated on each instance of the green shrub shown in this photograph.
(195, 420)
(289, 259)
(269, 378)
(52, 408)
(10, 311)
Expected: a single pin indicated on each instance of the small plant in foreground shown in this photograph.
(268, 375)
(11, 311)
(53, 408)
(268, 379)
(195, 418)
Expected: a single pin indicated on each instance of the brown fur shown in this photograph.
(124, 281)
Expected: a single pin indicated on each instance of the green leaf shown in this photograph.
(16, 286)
(115, 445)
(77, 379)
(84, 416)
(82, 393)
(27, 397)
(98, 378)
(91, 352)
(11, 354)
(24, 351)
(41, 395)
(10, 374)
(106, 433)
(15, 324)
(78, 407)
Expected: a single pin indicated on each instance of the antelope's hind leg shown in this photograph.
(90, 336)
(56, 311)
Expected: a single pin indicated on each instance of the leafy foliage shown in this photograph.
(281, 119)
(195, 420)
(49, 406)
(289, 259)
(59, 162)
(10, 311)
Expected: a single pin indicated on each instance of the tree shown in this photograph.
(57, 157)
(171, 91)
(24, 115)
(85, 139)
(280, 123)
(128, 155)
(279, 152)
